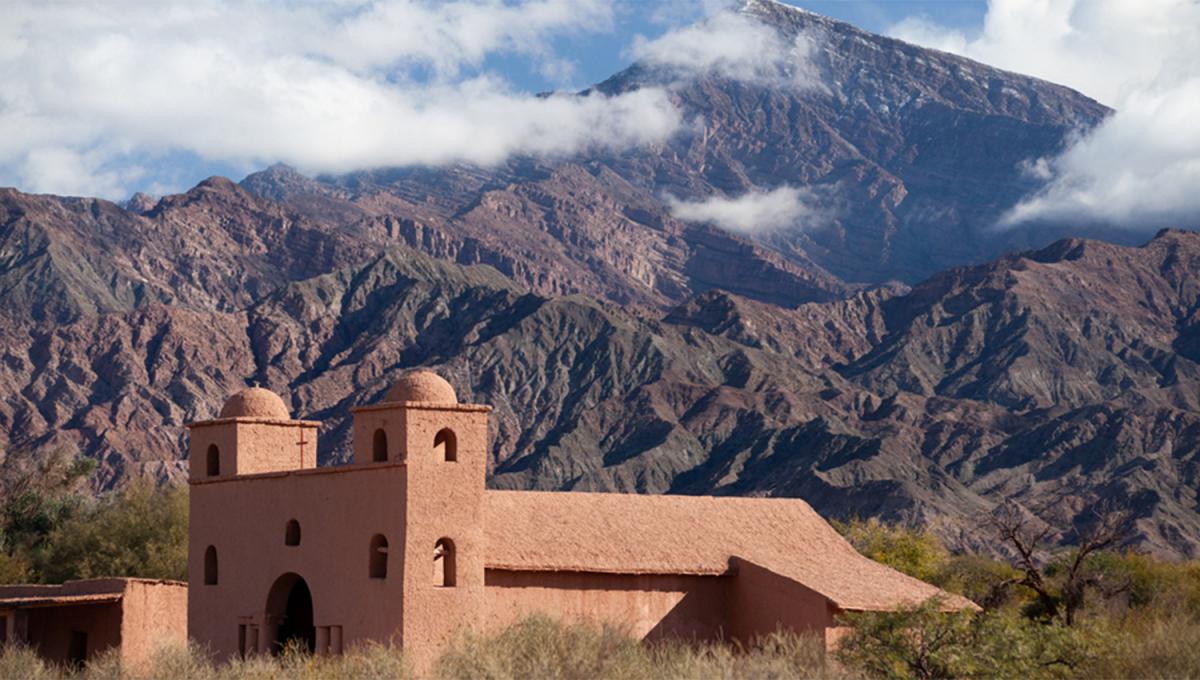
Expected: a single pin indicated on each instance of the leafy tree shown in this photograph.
(915, 552)
(37, 494)
(920, 554)
(13, 569)
(138, 531)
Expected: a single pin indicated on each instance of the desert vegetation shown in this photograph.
(53, 529)
(1093, 610)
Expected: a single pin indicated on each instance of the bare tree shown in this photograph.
(1108, 528)
(1018, 530)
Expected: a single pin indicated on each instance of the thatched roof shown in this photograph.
(643, 534)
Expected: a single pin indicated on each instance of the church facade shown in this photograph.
(406, 544)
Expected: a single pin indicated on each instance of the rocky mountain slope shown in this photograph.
(1058, 378)
(625, 349)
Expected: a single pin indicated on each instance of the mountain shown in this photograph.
(1058, 378)
(891, 360)
(912, 156)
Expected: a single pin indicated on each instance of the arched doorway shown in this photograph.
(290, 614)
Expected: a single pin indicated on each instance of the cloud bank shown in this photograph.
(1141, 167)
(91, 95)
(732, 46)
(755, 212)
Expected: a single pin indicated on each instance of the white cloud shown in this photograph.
(1141, 167)
(754, 212)
(323, 86)
(734, 46)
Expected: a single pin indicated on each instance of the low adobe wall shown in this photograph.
(81, 619)
(763, 602)
(51, 629)
(744, 604)
(648, 606)
(154, 615)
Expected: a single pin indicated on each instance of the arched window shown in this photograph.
(210, 566)
(379, 452)
(443, 563)
(445, 444)
(214, 460)
(379, 553)
(291, 535)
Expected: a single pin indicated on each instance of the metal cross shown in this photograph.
(302, 443)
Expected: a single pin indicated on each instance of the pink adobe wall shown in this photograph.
(266, 447)
(50, 628)
(252, 446)
(414, 504)
(200, 437)
(153, 615)
(339, 510)
(649, 606)
(762, 602)
(445, 501)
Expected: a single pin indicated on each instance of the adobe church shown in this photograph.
(406, 544)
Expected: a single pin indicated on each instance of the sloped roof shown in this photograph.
(644, 534)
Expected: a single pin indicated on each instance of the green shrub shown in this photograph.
(1141, 582)
(926, 642)
(138, 531)
(980, 579)
(37, 494)
(915, 552)
(13, 569)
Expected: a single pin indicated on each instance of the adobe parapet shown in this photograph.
(325, 470)
(423, 405)
(254, 421)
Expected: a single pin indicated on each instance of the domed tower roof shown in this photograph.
(255, 402)
(422, 386)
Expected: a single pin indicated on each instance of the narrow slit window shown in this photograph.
(443, 564)
(379, 450)
(291, 535)
(379, 555)
(210, 566)
(445, 444)
(214, 460)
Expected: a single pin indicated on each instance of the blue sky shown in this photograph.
(602, 54)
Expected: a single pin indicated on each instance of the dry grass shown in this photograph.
(542, 648)
(1151, 648)
(536, 648)
(191, 663)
